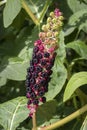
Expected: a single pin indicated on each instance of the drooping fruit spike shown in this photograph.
(43, 57)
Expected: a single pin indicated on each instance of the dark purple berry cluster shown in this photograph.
(43, 57)
(38, 74)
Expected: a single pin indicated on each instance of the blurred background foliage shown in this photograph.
(17, 35)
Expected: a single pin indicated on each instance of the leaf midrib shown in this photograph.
(14, 115)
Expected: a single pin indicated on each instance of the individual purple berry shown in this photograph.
(29, 75)
(35, 61)
(29, 102)
(28, 89)
(28, 70)
(27, 83)
(43, 99)
(50, 72)
(34, 55)
(31, 68)
(39, 56)
(32, 95)
(35, 75)
(42, 82)
(38, 68)
(52, 61)
(36, 86)
(36, 49)
(31, 62)
(46, 89)
(48, 79)
(48, 66)
(43, 62)
(44, 74)
(41, 93)
(35, 102)
(46, 54)
(32, 80)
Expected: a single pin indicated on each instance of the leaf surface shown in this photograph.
(11, 10)
(75, 21)
(80, 47)
(75, 82)
(13, 112)
(84, 125)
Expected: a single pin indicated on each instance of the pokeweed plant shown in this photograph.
(46, 70)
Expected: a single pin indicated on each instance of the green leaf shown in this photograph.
(13, 112)
(61, 50)
(44, 113)
(75, 21)
(11, 10)
(75, 82)
(58, 79)
(14, 69)
(36, 6)
(80, 47)
(84, 125)
(2, 81)
(76, 5)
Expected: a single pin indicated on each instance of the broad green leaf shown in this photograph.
(26, 52)
(76, 5)
(11, 10)
(83, 26)
(44, 113)
(75, 82)
(13, 69)
(58, 79)
(80, 47)
(75, 21)
(36, 6)
(84, 125)
(2, 81)
(61, 50)
(13, 112)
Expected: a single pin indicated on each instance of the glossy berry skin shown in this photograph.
(46, 54)
(43, 58)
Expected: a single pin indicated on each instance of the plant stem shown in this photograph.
(75, 102)
(66, 119)
(44, 11)
(34, 121)
(29, 12)
(82, 96)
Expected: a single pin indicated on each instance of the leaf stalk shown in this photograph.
(29, 12)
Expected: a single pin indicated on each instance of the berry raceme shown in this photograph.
(43, 57)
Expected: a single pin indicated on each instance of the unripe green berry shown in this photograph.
(60, 23)
(55, 27)
(48, 19)
(44, 28)
(48, 26)
(54, 20)
(52, 14)
(49, 34)
(61, 17)
(56, 34)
